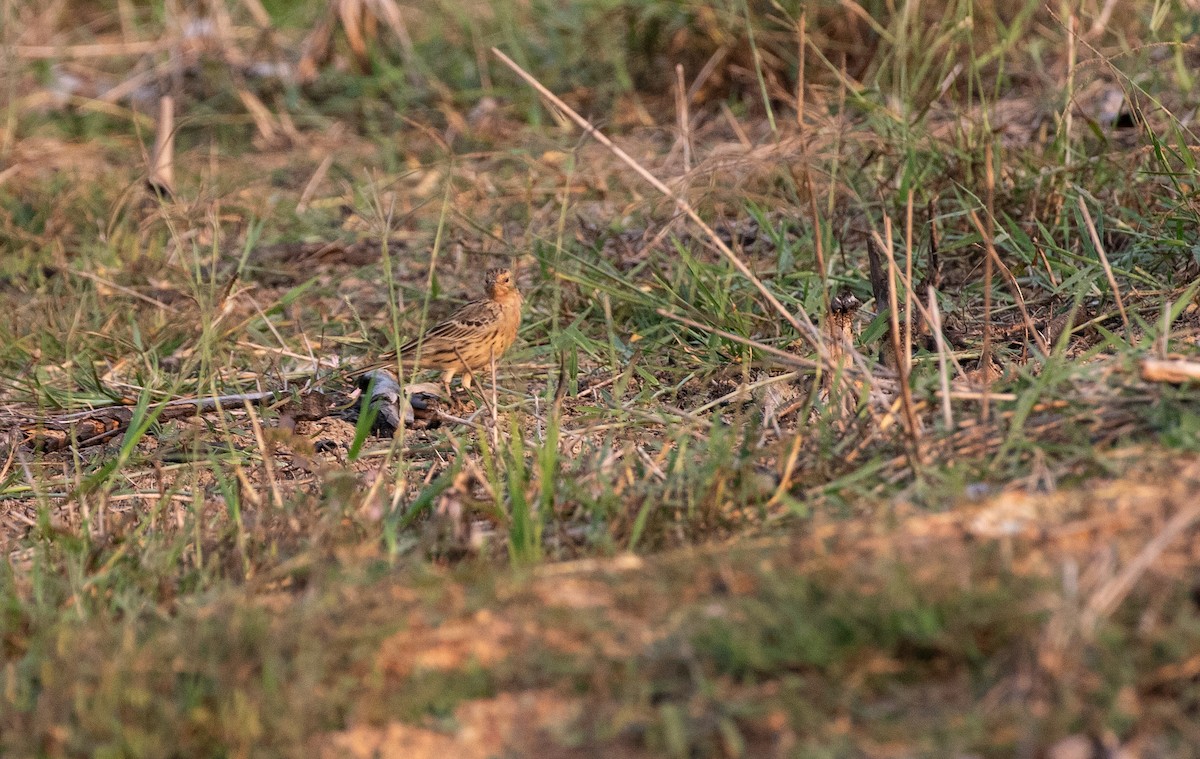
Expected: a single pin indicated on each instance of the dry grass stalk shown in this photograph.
(1068, 104)
(808, 330)
(1108, 597)
(1175, 371)
(94, 105)
(359, 25)
(839, 323)
(818, 243)
(162, 161)
(1012, 284)
(96, 50)
(359, 22)
(265, 452)
(1163, 339)
(316, 48)
(1101, 23)
(985, 357)
(685, 123)
(1050, 275)
(1108, 272)
(263, 120)
(879, 288)
(258, 13)
(314, 181)
(124, 290)
(784, 357)
(742, 391)
(735, 127)
(935, 323)
(801, 34)
(909, 293)
(789, 470)
(389, 11)
(903, 361)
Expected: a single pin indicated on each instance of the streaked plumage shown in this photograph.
(470, 339)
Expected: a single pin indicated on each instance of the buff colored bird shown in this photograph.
(470, 339)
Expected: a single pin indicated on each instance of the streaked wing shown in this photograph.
(469, 321)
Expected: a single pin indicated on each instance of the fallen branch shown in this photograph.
(96, 426)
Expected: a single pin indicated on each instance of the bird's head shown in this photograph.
(499, 283)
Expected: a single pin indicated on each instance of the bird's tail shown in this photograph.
(389, 362)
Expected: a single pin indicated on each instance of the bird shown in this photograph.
(468, 341)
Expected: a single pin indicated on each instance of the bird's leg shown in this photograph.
(466, 379)
(447, 376)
